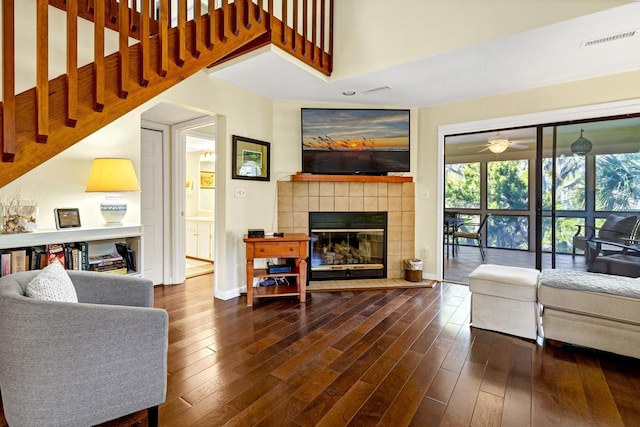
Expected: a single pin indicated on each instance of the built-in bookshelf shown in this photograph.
(96, 248)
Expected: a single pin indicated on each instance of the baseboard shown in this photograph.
(227, 295)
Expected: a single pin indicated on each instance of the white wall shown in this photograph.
(377, 38)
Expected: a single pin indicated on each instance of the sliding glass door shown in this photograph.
(538, 187)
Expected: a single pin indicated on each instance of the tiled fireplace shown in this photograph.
(297, 198)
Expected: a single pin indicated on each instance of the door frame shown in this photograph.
(179, 194)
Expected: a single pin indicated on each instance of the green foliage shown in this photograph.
(509, 232)
(617, 182)
(508, 185)
(570, 183)
(462, 186)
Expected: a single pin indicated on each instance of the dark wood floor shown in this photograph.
(456, 268)
(398, 357)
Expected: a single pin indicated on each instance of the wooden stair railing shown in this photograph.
(43, 121)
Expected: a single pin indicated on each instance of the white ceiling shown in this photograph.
(544, 56)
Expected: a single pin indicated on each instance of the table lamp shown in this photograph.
(110, 175)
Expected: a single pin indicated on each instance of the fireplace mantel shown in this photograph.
(348, 178)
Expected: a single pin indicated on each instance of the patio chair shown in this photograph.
(625, 262)
(472, 235)
(616, 228)
(451, 223)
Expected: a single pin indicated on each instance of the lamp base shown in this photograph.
(113, 209)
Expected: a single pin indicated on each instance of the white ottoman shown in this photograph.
(504, 299)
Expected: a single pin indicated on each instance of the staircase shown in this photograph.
(169, 47)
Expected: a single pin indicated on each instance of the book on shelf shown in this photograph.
(19, 260)
(129, 256)
(106, 262)
(83, 248)
(55, 253)
(5, 263)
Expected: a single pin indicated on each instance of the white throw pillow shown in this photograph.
(52, 284)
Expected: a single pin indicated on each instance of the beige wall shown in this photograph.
(424, 137)
(60, 182)
(576, 94)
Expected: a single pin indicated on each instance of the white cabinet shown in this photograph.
(101, 240)
(200, 238)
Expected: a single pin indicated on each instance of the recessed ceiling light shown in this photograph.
(349, 92)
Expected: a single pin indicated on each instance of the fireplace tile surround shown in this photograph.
(297, 198)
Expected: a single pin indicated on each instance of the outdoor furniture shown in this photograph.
(476, 235)
(451, 223)
(504, 299)
(624, 262)
(616, 228)
(593, 310)
(81, 363)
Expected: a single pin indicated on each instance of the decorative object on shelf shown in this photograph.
(18, 215)
(67, 217)
(581, 146)
(250, 159)
(207, 180)
(111, 175)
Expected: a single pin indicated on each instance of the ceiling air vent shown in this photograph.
(606, 39)
(376, 90)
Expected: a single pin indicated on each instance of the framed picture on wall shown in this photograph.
(207, 179)
(250, 159)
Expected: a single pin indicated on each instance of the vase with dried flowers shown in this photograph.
(19, 215)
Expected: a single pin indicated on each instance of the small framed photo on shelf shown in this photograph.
(67, 217)
(250, 159)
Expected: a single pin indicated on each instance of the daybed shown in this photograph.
(589, 309)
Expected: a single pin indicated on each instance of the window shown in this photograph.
(617, 184)
(508, 232)
(508, 185)
(570, 183)
(462, 185)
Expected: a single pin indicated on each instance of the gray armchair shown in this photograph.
(80, 364)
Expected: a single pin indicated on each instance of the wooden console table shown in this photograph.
(291, 245)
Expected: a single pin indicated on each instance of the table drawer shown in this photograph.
(281, 249)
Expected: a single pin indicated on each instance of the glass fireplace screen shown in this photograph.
(347, 249)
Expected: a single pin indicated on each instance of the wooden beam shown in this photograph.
(164, 38)
(42, 69)
(8, 82)
(98, 54)
(72, 63)
(197, 22)
(211, 39)
(182, 37)
(145, 16)
(123, 38)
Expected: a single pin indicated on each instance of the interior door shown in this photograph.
(152, 202)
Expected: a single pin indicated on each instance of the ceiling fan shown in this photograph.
(498, 143)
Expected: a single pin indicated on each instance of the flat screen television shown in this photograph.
(342, 141)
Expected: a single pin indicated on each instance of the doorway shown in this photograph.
(173, 123)
(200, 200)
